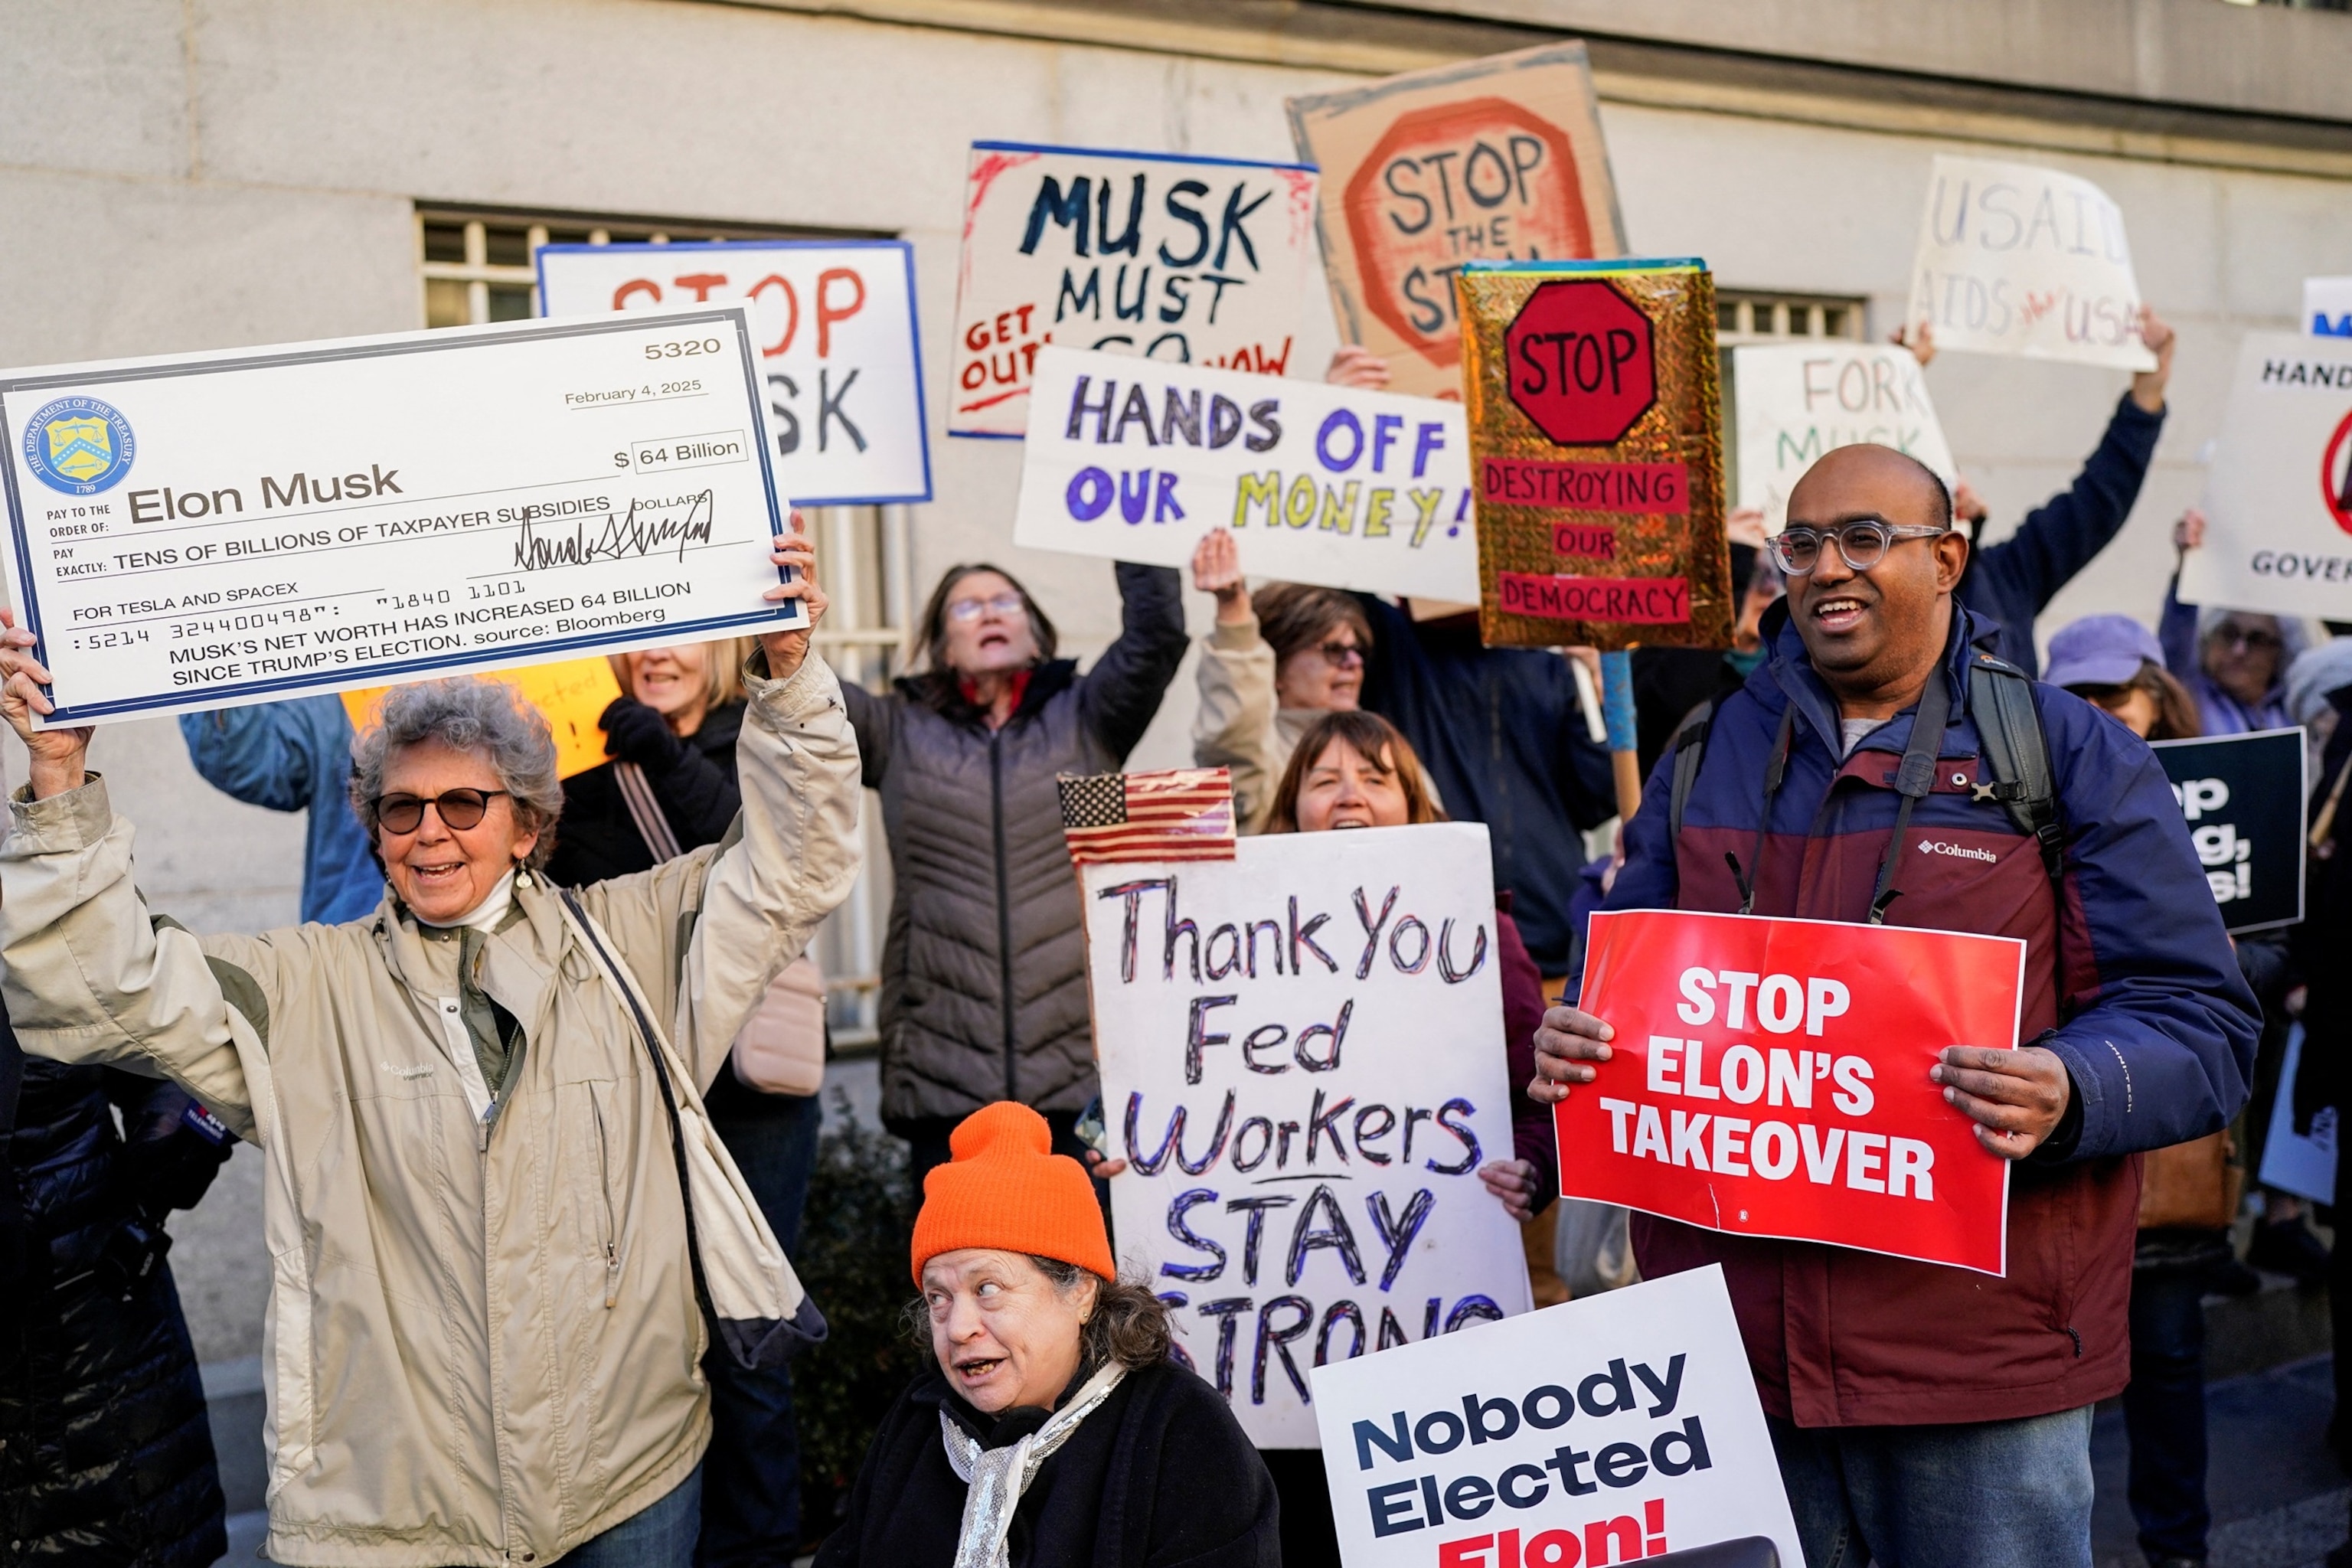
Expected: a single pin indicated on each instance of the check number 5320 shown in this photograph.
(683, 347)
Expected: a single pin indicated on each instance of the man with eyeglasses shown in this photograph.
(1926, 1416)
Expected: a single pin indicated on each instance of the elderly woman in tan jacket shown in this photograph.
(496, 1210)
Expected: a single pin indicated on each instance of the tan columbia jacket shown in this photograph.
(482, 1344)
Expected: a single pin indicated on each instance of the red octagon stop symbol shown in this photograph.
(1581, 361)
(2336, 475)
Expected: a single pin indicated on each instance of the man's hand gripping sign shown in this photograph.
(1806, 1080)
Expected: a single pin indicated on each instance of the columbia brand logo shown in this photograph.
(1937, 846)
(423, 1069)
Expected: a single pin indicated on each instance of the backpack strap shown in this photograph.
(1690, 751)
(2017, 751)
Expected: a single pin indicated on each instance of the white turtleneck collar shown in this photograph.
(485, 916)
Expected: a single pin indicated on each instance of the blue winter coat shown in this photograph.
(296, 756)
(2149, 1014)
(2008, 585)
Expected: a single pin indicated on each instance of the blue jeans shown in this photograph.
(661, 1536)
(752, 1503)
(2164, 1412)
(1986, 1494)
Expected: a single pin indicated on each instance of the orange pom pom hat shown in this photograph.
(1005, 1188)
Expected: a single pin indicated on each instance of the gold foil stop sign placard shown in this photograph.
(1597, 453)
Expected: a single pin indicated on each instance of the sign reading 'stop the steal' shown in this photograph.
(1769, 1078)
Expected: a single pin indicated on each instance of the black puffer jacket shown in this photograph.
(108, 1456)
(984, 971)
(693, 778)
(1159, 1476)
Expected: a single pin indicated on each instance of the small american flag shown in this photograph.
(1182, 814)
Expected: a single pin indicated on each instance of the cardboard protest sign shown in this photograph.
(1498, 159)
(2018, 259)
(2243, 797)
(2302, 1163)
(1771, 1078)
(2328, 313)
(2278, 496)
(572, 696)
(1619, 1427)
(1194, 260)
(1135, 459)
(1302, 1059)
(839, 347)
(1792, 402)
(1596, 443)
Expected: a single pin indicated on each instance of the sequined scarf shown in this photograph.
(995, 1478)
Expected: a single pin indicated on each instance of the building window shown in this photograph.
(1741, 316)
(479, 266)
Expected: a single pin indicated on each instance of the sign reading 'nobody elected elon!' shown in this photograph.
(1596, 447)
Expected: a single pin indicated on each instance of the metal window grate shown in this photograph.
(1745, 317)
(477, 266)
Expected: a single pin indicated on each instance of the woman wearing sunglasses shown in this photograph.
(2233, 662)
(503, 1231)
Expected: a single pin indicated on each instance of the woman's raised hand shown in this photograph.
(786, 649)
(58, 756)
(1217, 569)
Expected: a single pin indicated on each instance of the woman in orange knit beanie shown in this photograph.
(1050, 1427)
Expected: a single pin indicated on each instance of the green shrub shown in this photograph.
(853, 1259)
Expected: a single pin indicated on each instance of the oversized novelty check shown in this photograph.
(210, 530)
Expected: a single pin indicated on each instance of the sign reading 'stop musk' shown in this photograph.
(1135, 461)
(840, 356)
(1596, 440)
(1193, 260)
(2278, 496)
(2014, 259)
(2243, 797)
(1792, 402)
(1498, 159)
(203, 530)
(1619, 1428)
(1303, 1063)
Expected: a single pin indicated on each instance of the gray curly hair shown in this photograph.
(467, 713)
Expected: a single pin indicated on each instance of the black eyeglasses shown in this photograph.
(1339, 652)
(459, 809)
(1863, 543)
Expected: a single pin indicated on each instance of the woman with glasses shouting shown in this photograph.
(503, 1230)
(984, 972)
(1275, 663)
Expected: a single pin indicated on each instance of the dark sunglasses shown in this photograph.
(1339, 652)
(459, 809)
(2252, 639)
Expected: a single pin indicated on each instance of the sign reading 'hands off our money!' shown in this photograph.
(211, 529)
(1134, 460)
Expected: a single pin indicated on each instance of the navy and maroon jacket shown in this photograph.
(2150, 1017)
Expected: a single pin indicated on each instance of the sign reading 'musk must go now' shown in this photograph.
(1769, 1078)
(1596, 445)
